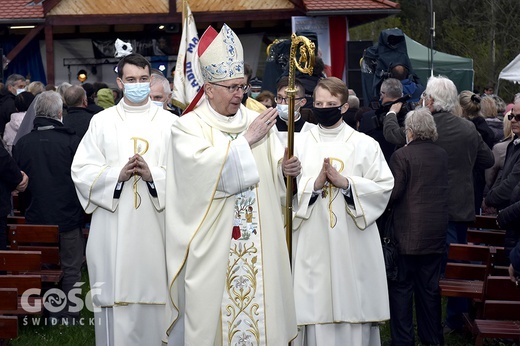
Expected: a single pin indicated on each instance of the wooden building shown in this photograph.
(23, 22)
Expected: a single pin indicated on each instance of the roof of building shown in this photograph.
(27, 9)
(21, 9)
(349, 5)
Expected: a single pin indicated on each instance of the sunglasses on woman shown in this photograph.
(510, 117)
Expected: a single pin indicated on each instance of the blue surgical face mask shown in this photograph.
(255, 94)
(158, 103)
(19, 91)
(136, 92)
(283, 111)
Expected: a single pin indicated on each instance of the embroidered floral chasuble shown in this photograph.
(243, 303)
(228, 267)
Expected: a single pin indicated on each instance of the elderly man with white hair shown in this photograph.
(466, 150)
(160, 92)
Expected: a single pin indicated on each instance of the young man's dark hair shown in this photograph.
(284, 82)
(133, 59)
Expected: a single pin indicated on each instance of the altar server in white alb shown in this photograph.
(120, 175)
(340, 283)
(228, 265)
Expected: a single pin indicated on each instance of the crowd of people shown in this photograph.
(187, 243)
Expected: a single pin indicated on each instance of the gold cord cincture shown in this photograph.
(138, 149)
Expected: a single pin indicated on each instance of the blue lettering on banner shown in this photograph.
(191, 76)
(192, 44)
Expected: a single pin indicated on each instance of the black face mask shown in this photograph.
(327, 116)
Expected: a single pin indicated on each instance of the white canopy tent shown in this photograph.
(511, 72)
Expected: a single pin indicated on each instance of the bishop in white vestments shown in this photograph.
(228, 265)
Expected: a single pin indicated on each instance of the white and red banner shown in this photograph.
(187, 80)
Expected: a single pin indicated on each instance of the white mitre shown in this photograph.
(223, 59)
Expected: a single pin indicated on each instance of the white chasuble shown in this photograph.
(125, 249)
(227, 261)
(339, 274)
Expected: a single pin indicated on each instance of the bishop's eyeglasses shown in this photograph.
(233, 88)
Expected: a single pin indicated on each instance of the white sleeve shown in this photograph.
(240, 171)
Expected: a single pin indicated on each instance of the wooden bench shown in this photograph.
(486, 237)
(43, 238)
(20, 220)
(501, 311)
(17, 208)
(18, 265)
(465, 278)
(15, 219)
(499, 262)
(8, 298)
(8, 324)
(484, 222)
(485, 231)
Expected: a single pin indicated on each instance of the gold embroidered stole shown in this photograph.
(243, 313)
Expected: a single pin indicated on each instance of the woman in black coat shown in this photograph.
(420, 222)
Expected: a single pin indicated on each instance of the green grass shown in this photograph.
(55, 335)
(34, 331)
(453, 339)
